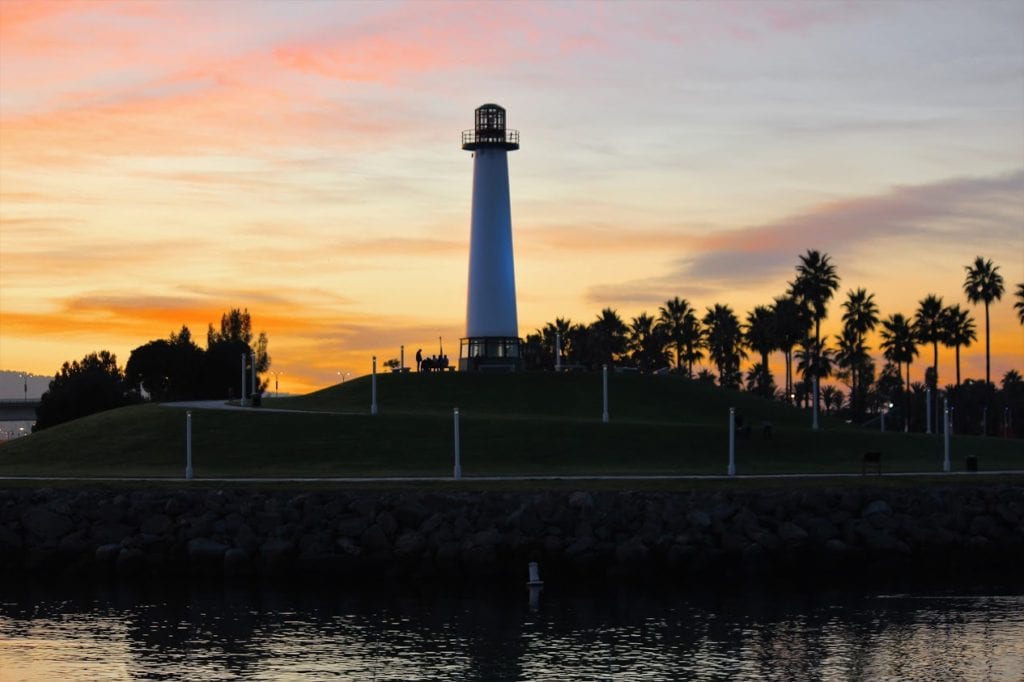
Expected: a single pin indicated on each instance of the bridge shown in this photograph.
(18, 410)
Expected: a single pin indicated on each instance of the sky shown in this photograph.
(163, 162)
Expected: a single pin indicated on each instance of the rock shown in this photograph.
(9, 540)
(45, 524)
(388, 524)
(632, 554)
(110, 532)
(106, 554)
(410, 513)
(791, 534)
(410, 545)
(156, 524)
(699, 520)
(206, 549)
(374, 539)
(877, 507)
(351, 525)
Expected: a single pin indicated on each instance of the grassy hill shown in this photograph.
(523, 424)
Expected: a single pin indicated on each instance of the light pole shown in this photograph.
(277, 392)
(241, 399)
(342, 375)
(25, 377)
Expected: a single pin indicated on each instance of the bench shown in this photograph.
(872, 459)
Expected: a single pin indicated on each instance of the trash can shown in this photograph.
(257, 399)
(972, 463)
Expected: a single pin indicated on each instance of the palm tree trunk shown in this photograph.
(957, 365)
(988, 378)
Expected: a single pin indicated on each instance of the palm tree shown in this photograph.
(899, 346)
(609, 337)
(693, 341)
(984, 284)
(815, 283)
(1019, 305)
(929, 328)
(959, 331)
(759, 335)
(860, 316)
(725, 343)
(791, 325)
(674, 318)
(646, 341)
(853, 359)
(560, 328)
(813, 360)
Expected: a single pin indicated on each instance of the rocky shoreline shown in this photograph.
(832, 536)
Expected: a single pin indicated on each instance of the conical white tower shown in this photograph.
(492, 327)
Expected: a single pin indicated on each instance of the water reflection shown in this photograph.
(259, 633)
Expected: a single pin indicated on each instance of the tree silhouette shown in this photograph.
(984, 284)
(813, 360)
(1019, 305)
(646, 342)
(725, 344)
(959, 331)
(860, 316)
(899, 346)
(224, 351)
(815, 283)
(679, 321)
(608, 337)
(855, 364)
(82, 388)
(168, 369)
(929, 328)
(760, 336)
(792, 323)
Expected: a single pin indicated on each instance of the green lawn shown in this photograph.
(519, 424)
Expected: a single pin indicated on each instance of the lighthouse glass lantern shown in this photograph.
(492, 340)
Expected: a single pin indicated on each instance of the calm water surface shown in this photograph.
(259, 633)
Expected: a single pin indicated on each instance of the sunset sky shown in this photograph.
(162, 162)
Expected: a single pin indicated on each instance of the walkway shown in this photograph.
(500, 479)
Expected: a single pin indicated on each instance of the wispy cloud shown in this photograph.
(992, 206)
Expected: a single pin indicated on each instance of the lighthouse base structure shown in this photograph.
(490, 354)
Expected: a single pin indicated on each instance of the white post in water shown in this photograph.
(928, 410)
(241, 400)
(401, 356)
(188, 445)
(604, 381)
(458, 454)
(945, 436)
(814, 419)
(732, 441)
(252, 361)
(558, 352)
(373, 387)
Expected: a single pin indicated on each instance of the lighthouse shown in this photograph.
(492, 328)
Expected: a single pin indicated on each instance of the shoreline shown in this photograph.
(826, 537)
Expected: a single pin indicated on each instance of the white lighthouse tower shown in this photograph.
(492, 326)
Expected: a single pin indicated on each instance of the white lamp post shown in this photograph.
(732, 442)
(604, 382)
(373, 388)
(458, 448)
(241, 400)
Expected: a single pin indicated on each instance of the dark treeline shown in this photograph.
(174, 368)
(681, 336)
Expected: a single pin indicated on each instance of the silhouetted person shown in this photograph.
(419, 358)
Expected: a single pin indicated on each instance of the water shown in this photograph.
(258, 633)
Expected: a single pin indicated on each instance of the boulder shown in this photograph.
(45, 524)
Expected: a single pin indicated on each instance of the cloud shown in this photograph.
(969, 211)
